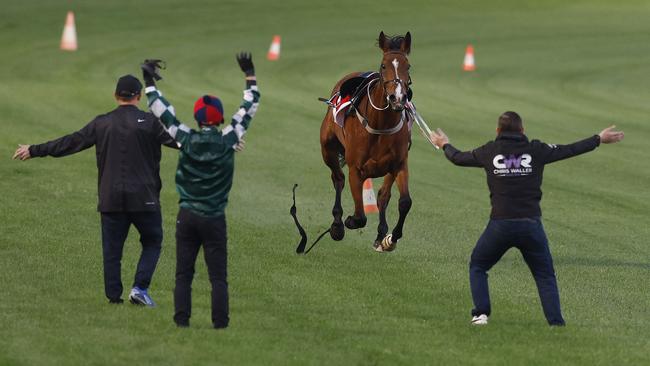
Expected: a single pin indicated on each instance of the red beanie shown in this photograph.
(208, 110)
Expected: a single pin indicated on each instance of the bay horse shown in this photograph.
(374, 141)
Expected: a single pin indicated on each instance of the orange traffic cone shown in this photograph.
(468, 63)
(274, 50)
(369, 200)
(69, 37)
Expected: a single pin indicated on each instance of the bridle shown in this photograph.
(384, 83)
(405, 85)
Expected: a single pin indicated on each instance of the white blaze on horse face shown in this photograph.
(398, 89)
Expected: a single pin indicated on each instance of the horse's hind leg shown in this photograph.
(337, 230)
(383, 197)
(331, 150)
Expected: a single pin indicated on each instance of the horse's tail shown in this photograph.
(303, 235)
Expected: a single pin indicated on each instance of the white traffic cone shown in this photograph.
(468, 62)
(69, 37)
(274, 50)
(369, 199)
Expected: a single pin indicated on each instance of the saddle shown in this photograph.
(354, 87)
(349, 94)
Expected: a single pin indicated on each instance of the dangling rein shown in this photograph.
(303, 236)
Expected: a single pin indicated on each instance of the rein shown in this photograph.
(364, 120)
(370, 98)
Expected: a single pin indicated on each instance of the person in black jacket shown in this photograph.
(514, 167)
(127, 147)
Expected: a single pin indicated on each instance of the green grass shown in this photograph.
(569, 68)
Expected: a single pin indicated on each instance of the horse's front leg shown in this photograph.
(404, 205)
(383, 197)
(358, 220)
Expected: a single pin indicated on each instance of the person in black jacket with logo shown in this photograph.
(127, 146)
(514, 167)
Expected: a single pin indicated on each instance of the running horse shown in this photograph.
(373, 138)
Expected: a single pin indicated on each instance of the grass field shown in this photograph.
(569, 68)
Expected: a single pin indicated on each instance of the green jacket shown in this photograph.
(206, 159)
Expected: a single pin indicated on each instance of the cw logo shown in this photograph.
(512, 161)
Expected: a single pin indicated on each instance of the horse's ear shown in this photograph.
(381, 41)
(406, 45)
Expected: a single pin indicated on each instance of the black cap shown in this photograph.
(128, 86)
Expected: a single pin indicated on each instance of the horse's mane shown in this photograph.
(394, 42)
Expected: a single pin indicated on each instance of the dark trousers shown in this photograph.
(115, 227)
(529, 237)
(192, 232)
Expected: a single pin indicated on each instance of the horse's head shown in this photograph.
(394, 69)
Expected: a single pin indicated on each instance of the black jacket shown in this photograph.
(127, 147)
(514, 167)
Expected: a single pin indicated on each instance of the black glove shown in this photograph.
(150, 71)
(245, 61)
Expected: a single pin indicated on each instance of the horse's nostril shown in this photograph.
(391, 97)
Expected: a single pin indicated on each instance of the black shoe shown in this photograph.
(115, 301)
(220, 326)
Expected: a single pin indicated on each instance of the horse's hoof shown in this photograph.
(352, 222)
(386, 245)
(337, 232)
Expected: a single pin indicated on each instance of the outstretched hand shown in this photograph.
(439, 138)
(245, 60)
(22, 153)
(609, 136)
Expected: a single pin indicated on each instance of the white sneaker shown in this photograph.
(480, 320)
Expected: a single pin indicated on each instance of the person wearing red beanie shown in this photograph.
(203, 180)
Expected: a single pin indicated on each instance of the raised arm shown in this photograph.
(160, 106)
(66, 145)
(552, 153)
(233, 133)
(460, 158)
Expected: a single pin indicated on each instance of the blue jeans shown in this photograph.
(528, 236)
(115, 227)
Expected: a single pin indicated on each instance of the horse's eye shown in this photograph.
(383, 66)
